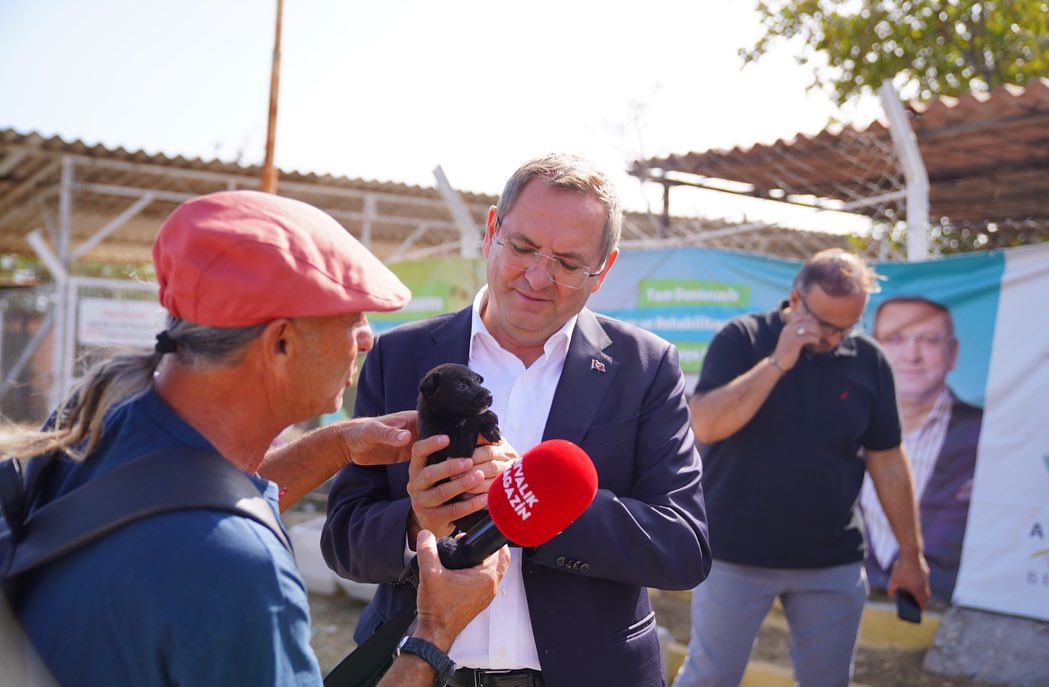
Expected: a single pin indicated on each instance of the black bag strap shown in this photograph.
(366, 664)
(157, 482)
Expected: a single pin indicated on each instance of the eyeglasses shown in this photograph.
(562, 271)
(826, 327)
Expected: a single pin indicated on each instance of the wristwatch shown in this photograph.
(442, 665)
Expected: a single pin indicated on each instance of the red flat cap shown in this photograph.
(238, 258)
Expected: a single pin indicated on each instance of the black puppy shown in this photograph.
(453, 402)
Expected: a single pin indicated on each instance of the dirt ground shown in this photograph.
(334, 618)
(333, 621)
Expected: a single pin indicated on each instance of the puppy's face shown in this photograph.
(454, 390)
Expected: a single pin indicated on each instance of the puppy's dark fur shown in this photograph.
(453, 402)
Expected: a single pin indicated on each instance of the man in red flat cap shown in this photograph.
(266, 299)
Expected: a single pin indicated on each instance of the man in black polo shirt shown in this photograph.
(785, 401)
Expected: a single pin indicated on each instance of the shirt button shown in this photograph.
(503, 593)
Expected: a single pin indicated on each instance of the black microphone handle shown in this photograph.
(480, 542)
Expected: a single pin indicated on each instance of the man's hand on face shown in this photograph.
(800, 330)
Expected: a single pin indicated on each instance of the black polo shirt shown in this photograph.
(781, 492)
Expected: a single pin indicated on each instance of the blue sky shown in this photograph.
(389, 90)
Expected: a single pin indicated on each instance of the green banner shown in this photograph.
(670, 293)
(438, 285)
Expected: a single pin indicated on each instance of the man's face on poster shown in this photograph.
(920, 343)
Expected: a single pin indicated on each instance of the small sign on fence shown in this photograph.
(106, 321)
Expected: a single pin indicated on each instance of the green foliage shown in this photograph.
(927, 48)
(18, 269)
(949, 239)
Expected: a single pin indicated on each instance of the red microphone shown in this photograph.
(529, 503)
(538, 496)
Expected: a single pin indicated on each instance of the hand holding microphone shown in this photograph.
(531, 502)
(449, 599)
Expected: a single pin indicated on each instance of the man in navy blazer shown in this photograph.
(573, 611)
(940, 433)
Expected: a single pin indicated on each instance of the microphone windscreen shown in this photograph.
(541, 494)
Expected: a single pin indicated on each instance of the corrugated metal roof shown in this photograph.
(395, 220)
(106, 181)
(986, 154)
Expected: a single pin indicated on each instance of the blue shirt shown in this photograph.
(192, 597)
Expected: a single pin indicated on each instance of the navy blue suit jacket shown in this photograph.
(586, 588)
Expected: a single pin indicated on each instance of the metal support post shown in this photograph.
(470, 239)
(907, 152)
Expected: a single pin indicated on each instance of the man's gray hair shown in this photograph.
(77, 424)
(570, 173)
(839, 273)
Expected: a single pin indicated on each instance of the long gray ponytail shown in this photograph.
(78, 422)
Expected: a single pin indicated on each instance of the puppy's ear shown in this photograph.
(429, 385)
(479, 378)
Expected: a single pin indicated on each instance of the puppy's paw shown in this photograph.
(490, 427)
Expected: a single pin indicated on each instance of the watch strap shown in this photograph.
(442, 665)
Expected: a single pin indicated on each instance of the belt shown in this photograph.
(477, 677)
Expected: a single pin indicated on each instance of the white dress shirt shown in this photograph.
(922, 447)
(500, 637)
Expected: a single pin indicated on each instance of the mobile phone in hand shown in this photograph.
(907, 607)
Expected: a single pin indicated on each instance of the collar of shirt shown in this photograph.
(167, 421)
(940, 413)
(556, 345)
(521, 398)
